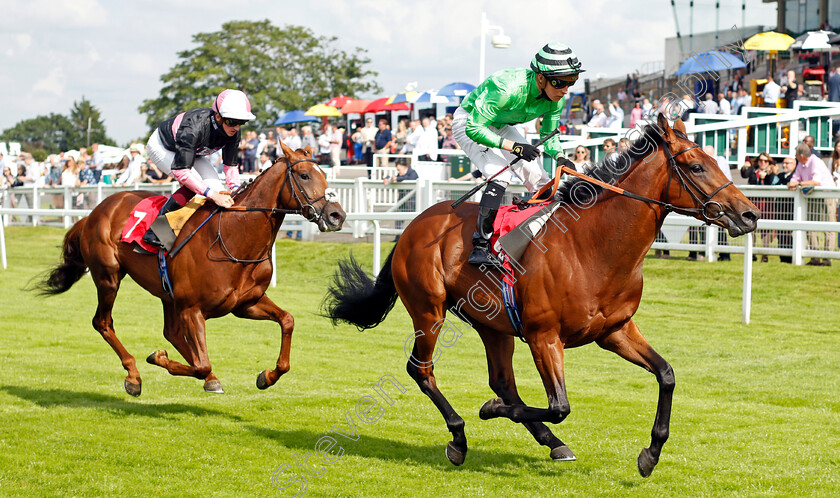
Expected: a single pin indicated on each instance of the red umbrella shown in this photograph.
(339, 101)
(377, 105)
(356, 106)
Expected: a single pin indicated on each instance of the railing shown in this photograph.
(793, 224)
(756, 130)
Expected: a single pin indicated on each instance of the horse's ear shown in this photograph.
(679, 126)
(667, 132)
(286, 150)
(308, 150)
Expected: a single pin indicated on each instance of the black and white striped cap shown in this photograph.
(556, 59)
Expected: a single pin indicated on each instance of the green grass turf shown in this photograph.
(756, 409)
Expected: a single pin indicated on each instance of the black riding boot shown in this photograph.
(150, 237)
(487, 209)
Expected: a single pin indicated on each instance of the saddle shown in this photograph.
(145, 213)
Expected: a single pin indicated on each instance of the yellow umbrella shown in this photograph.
(402, 98)
(769, 41)
(322, 110)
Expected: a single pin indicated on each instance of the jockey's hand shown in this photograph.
(563, 161)
(221, 200)
(526, 152)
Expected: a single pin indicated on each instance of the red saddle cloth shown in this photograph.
(140, 219)
(508, 218)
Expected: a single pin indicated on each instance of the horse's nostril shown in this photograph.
(750, 215)
(334, 215)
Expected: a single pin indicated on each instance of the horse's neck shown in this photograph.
(618, 225)
(264, 193)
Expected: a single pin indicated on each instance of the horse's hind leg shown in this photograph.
(499, 350)
(421, 368)
(177, 338)
(629, 343)
(265, 309)
(189, 324)
(107, 281)
(548, 357)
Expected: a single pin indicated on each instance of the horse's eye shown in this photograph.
(304, 176)
(696, 168)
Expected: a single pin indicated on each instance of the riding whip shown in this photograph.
(485, 182)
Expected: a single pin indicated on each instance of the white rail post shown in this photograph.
(36, 204)
(359, 226)
(742, 147)
(67, 205)
(99, 193)
(800, 209)
(2, 244)
(274, 264)
(377, 248)
(746, 296)
(711, 243)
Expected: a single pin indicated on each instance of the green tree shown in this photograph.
(280, 69)
(87, 124)
(52, 133)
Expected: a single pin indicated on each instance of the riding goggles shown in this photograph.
(560, 82)
(234, 122)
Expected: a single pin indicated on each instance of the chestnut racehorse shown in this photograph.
(224, 268)
(580, 283)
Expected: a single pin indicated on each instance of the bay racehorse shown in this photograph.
(581, 282)
(225, 267)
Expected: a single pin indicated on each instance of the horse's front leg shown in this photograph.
(547, 351)
(629, 343)
(265, 309)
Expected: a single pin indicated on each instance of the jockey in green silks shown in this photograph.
(483, 127)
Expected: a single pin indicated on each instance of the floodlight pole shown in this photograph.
(485, 27)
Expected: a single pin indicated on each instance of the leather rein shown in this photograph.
(306, 206)
(704, 207)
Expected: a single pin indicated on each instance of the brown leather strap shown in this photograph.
(538, 197)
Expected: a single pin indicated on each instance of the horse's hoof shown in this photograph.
(646, 462)
(488, 409)
(563, 454)
(455, 455)
(213, 386)
(262, 383)
(151, 358)
(132, 389)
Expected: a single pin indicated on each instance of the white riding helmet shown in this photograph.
(233, 104)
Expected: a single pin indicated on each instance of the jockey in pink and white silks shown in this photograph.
(180, 146)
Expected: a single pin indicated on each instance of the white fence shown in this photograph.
(793, 224)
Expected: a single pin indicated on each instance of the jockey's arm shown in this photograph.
(483, 115)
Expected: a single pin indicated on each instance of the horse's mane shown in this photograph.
(578, 191)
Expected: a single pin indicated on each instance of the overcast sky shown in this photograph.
(53, 52)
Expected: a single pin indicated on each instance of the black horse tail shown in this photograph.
(70, 270)
(356, 298)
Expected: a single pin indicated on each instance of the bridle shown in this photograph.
(306, 208)
(685, 181)
(703, 207)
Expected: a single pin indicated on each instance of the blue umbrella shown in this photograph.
(457, 89)
(292, 117)
(432, 97)
(713, 60)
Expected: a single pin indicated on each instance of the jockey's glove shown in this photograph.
(564, 161)
(526, 152)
